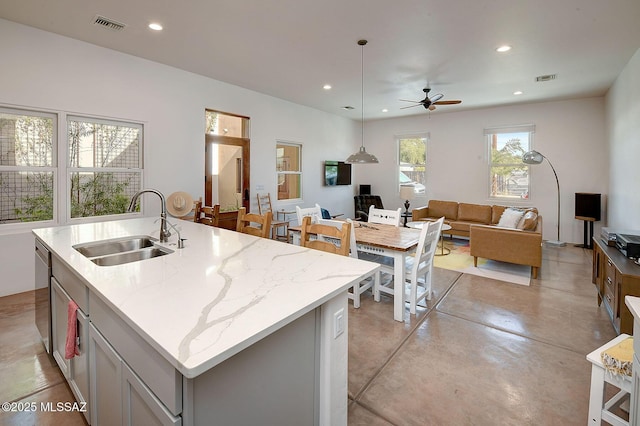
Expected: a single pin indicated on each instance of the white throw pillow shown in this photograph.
(510, 218)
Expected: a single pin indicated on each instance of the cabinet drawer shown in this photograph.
(609, 273)
(610, 299)
(155, 371)
(70, 282)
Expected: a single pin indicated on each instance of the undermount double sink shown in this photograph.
(118, 251)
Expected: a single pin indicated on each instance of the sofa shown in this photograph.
(520, 244)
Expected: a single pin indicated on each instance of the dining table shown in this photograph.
(395, 242)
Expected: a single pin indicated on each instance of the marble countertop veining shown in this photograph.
(203, 304)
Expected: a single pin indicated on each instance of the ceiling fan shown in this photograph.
(430, 102)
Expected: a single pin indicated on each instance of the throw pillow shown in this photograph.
(510, 218)
(529, 221)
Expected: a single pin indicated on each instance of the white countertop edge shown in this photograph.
(633, 303)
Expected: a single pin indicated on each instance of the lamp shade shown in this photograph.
(361, 157)
(532, 157)
(406, 192)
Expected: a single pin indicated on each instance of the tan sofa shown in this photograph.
(486, 240)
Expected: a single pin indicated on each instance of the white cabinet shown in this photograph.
(59, 303)
(140, 405)
(75, 370)
(118, 396)
(105, 372)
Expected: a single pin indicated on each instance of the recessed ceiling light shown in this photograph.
(503, 49)
(155, 26)
(518, 92)
(327, 87)
(385, 110)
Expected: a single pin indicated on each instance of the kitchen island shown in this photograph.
(231, 329)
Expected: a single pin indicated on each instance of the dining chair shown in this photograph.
(314, 212)
(382, 216)
(326, 237)
(245, 221)
(206, 215)
(264, 207)
(369, 281)
(385, 217)
(419, 268)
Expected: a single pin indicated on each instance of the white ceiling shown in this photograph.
(290, 48)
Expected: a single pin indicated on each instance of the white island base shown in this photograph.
(296, 376)
(232, 329)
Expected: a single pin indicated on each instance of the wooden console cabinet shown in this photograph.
(615, 276)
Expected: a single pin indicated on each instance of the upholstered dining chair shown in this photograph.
(419, 268)
(264, 207)
(245, 221)
(326, 237)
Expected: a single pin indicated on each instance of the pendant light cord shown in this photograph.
(362, 43)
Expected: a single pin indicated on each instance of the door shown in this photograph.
(227, 167)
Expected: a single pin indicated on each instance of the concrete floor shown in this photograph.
(483, 352)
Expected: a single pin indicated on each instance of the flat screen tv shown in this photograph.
(337, 173)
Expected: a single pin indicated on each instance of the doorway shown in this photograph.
(227, 167)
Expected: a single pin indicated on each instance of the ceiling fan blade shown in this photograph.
(407, 100)
(410, 106)
(448, 102)
(436, 97)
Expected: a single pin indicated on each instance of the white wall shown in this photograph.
(46, 71)
(570, 133)
(623, 126)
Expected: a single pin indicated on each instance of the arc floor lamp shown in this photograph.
(534, 157)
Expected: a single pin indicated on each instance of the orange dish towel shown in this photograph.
(71, 347)
(618, 359)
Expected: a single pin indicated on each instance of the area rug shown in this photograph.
(460, 260)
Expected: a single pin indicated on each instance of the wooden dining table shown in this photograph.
(383, 240)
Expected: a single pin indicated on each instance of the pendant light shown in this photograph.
(362, 156)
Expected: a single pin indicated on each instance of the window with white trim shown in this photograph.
(105, 165)
(412, 161)
(289, 170)
(95, 173)
(508, 175)
(28, 173)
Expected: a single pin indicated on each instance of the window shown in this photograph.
(105, 166)
(508, 175)
(412, 162)
(95, 173)
(27, 166)
(288, 170)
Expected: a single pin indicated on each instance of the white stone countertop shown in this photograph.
(633, 303)
(205, 303)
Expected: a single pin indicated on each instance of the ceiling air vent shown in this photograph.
(108, 23)
(547, 77)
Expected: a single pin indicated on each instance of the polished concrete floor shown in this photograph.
(483, 352)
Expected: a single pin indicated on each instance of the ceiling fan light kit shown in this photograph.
(362, 156)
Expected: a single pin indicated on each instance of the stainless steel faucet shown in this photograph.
(164, 230)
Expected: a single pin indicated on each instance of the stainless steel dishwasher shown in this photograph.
(43, 294)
